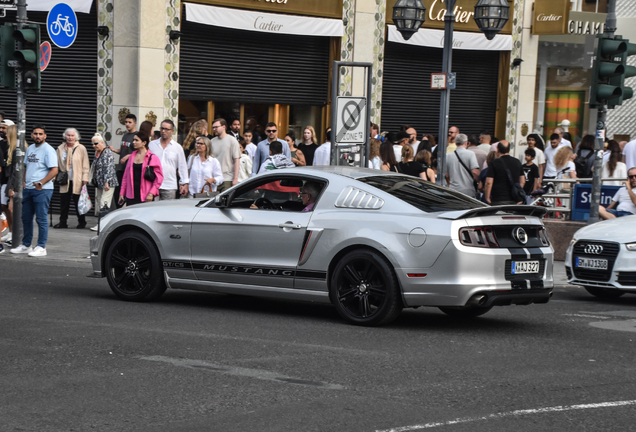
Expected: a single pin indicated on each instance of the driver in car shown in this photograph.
(309, 194)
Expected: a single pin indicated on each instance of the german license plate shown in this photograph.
(523, 267)
(591, 263)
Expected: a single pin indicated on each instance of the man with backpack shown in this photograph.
(505, 178)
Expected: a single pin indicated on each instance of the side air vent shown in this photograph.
(355, 198)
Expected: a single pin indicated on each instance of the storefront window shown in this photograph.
(565, 105)
(597, 6)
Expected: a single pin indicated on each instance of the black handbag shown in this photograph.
(149, 174)
(61, 179)
(517, 192)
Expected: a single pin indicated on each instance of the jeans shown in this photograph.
(35, 202)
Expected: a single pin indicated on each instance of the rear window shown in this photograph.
(421, 194)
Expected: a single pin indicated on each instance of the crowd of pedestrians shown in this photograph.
(150, 165)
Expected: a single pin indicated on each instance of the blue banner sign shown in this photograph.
(583, 197)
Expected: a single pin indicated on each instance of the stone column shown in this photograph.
(135, 63)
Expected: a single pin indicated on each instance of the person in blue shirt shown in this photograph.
(262, 150)
(41, 169)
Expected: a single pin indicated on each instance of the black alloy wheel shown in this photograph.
(364, 289)
(465, 311)
(133, 268)
(604, 293)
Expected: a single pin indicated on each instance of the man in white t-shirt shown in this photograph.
(563, 140)
(172, 158)
(539, 158)
(413, 142)
(322, 156)
(550, 152)
(401, 140)
(625, 198)
(629, 154)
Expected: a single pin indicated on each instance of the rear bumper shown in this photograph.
(518, 297)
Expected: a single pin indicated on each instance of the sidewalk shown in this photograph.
(71, 244)
(68, 244)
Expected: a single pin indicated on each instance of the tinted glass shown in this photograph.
(421, 194)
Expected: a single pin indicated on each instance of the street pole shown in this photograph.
(610, 28)
(18, 173)
(447, 61)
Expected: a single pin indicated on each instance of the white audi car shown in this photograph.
(602, 257)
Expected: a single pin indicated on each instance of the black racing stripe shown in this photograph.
(308, 274)
(536, 253)
(518, 254)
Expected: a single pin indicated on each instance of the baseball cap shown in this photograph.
(7, 122)
(401, 135)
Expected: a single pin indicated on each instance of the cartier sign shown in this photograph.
(320, 8)
(464, 15)
(550, 17)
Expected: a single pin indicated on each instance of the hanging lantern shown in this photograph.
(408, 17)
(491, 16)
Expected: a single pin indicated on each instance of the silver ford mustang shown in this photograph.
(370, 242)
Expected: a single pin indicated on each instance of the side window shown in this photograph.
(284, 194)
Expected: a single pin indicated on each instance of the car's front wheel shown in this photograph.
(465, 311)
(364, 289)
(133, 268)
(605, 293)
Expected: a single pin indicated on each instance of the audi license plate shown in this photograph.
(591, 263)
(522, 267)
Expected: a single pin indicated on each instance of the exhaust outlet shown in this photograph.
(476, 300)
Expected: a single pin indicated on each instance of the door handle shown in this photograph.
(289, 225)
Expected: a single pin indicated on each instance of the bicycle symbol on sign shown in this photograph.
(62, 24)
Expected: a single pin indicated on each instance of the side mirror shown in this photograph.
(221, 201)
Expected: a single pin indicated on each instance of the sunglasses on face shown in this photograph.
(200, 143)
(271, 131)
(166, 129)
(633, 176)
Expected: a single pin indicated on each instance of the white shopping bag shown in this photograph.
(84, 204)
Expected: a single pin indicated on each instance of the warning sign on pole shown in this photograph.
(352, 121)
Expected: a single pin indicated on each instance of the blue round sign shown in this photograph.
(61, 25)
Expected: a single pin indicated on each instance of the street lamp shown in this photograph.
(491, 16)
(408, 16)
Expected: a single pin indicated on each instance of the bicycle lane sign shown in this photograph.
(61, 24)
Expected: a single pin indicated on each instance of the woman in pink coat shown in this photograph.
(135, 189)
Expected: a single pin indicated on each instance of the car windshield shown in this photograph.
(421, 194)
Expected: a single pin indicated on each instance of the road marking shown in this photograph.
(236, 371)
(516, 413)
(628, 325)
(580, 315)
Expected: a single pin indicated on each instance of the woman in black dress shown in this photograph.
(409, 166)
(388, 157)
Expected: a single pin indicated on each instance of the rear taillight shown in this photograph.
(543, 236)
(478, 237)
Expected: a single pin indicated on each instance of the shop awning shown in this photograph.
(263, 22)
(461, 40)
(81, 6)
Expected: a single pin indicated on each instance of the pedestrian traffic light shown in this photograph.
(29, 55)
(608, 65)
(7, 47)
(628, 72)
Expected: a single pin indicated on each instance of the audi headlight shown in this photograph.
(574, 240)
(631, 246)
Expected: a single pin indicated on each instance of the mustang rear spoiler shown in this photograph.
(517, 210)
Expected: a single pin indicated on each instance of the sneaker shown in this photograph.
(94, 228)
(22, 249)
(7, 237)
(9, 243)
(1, 249)
(39, 251)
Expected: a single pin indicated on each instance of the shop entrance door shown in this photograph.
(562, 105)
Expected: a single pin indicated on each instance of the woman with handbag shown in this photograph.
(103, 175)
(143, 174)
(205, 170)
(72, 160)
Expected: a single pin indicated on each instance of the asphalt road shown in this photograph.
(73, 358)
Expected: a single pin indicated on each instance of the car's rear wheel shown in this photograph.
(364, 289)
(133, 268)
(606, 293)
(465, 311)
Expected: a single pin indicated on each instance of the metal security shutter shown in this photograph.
(69, 89)
(220, 64)
(408, 99)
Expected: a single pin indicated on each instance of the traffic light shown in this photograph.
(607, 66)
(7, 47)
(628, 72)
(29, 56)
